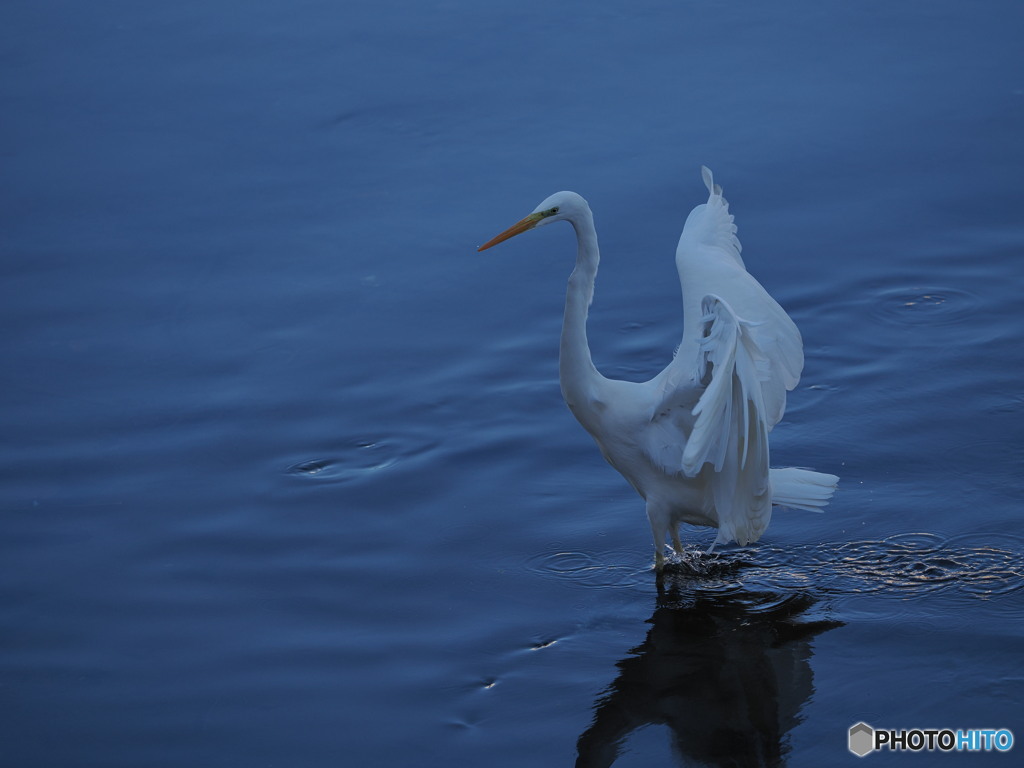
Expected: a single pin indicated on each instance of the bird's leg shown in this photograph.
(658, 518)
(676, 546)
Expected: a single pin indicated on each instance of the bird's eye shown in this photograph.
(553, 211)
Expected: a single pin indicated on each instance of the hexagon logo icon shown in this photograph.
(862, 739)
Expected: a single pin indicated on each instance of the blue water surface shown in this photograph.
(287, 479)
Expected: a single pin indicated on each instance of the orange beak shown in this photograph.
(519, 227)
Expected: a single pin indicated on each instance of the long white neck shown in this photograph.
(576, 371)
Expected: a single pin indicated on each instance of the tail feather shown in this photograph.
(802, 488)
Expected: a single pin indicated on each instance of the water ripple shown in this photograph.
(359, 460)
(904, 566)
(592, 570)
(925, 305)
(909, 565)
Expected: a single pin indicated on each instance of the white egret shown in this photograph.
(692, 441)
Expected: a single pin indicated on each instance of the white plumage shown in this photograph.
(692, 441)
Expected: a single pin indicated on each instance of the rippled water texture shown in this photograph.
(905, 566)
(286, 476)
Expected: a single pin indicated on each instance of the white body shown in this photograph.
(692, 441)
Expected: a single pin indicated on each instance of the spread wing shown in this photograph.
(739, 355)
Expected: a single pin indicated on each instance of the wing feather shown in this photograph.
(715, 423)
(709, 263)
(731, 428)
(739, 355)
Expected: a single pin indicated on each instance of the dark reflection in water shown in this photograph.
(727, 672)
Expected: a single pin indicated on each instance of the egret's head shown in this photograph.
(561, 206)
